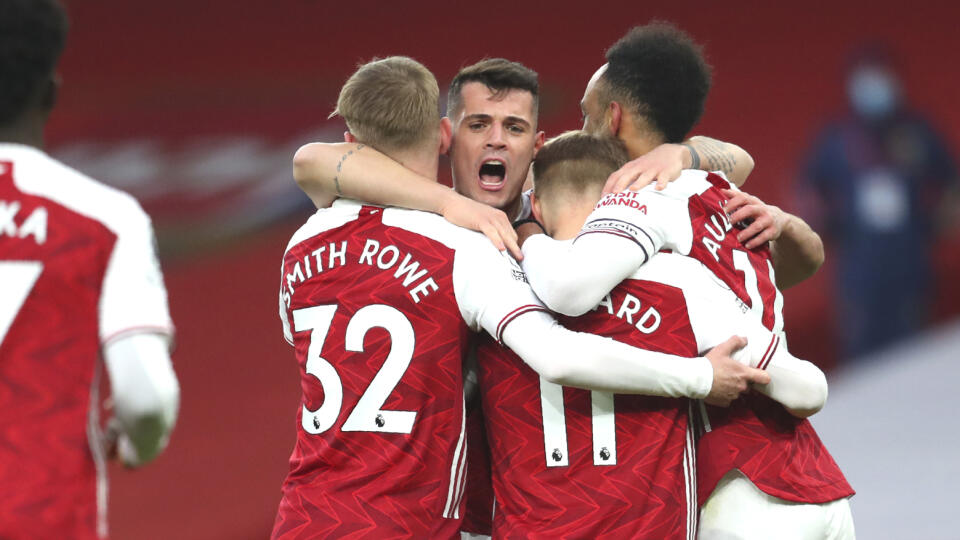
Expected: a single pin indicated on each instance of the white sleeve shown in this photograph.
(133, 297)
(621, 234)
(493, 295)
(145, 391)
(597, 363)
(798, 385)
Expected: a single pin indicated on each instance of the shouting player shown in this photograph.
(380, 303)
(761, 470)
(79, 280)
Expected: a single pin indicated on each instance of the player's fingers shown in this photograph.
(616, 182)
(643, 180)
(510, 239)
(493, 235)
(757, 376)
(666, 176)
(744, 212)
(736, 200)
(758, 225)
(767, 234)
(731, 345)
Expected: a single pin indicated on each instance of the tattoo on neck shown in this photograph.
(336, 178)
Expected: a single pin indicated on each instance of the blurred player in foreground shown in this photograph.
(380, 305)
(762, 472)
(79, 281)
(600, 465)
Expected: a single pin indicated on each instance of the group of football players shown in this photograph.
(644, 391)
(630, 380)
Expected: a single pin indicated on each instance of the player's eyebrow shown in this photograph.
(488, 118)
(477, 116)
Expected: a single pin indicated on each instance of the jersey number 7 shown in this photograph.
(17, 279)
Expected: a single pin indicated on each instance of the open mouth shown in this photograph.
(492, 174)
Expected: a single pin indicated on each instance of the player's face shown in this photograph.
(494, 141)
(594, 121)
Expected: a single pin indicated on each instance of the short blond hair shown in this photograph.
(391, 104)
(577, 161)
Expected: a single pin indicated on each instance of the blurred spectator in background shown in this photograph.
(877, 182)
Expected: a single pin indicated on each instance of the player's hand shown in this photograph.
(528, 229)
(662, 164)
(476, 216)
(763, 222)
(117, 445)
(730, 377)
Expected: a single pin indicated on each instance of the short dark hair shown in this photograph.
(32, 36)
(500, 76)
(577, 160)
(661, 74)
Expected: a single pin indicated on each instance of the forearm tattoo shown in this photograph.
(336, 178)
(715, 157)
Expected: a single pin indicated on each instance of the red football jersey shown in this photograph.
(570, 463)
(77, 269)
(781, 454)
(380, 305)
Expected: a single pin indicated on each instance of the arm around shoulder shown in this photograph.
(710, 154)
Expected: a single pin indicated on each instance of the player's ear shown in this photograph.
(538, 143)
(446, 135)
(535, 208)
(614, 117)
(50, 90)
(348, 137)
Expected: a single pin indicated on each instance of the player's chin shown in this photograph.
(498, 199)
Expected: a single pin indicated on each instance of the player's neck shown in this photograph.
(26, 130)
(639, 137)
(424, 163)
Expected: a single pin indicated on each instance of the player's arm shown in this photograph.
(136, 331)
(664, 163)
(493, 296)
(145, 394)
(326, 171)
(797, 384)
(796, 249)
(591, 362)
(622, 233)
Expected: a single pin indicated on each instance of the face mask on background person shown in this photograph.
(873, 92)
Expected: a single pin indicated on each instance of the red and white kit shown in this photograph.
(573, 463)
(379, 305)
(779, 453)
(78, 269)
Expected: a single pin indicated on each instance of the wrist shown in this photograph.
(690, 158)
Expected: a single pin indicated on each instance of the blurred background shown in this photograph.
(196, 108)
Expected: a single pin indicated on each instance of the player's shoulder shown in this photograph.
(436, 228)
(341, 212)
(37, 174)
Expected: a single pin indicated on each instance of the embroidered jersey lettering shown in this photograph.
(781, 454)
(623, 466)
(77, 269)
(380, 306)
